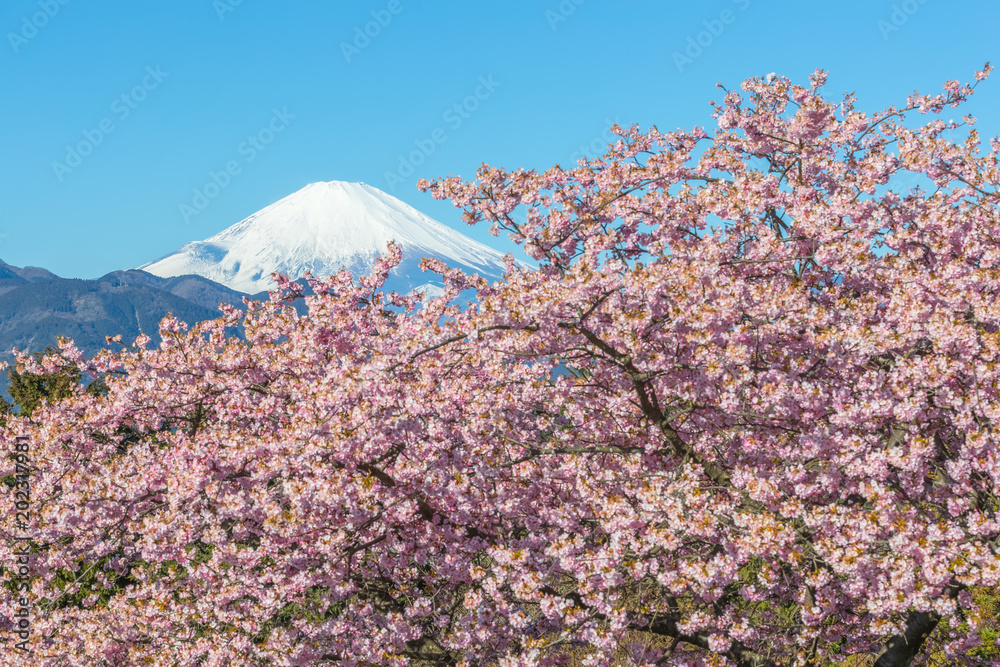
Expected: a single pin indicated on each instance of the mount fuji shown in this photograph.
(322, 228)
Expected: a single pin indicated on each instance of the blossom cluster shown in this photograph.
(742, 412)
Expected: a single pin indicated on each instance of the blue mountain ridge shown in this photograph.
(37, 307)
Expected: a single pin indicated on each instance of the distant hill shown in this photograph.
(36, 307)
(13, 276)
(197, 290)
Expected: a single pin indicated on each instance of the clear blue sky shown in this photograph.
(199, 77)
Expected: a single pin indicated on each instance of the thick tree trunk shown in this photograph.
(901, 649)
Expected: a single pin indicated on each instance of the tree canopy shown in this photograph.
(742, 412)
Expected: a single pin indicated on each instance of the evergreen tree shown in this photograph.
(29, 389)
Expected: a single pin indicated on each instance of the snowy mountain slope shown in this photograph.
(324, 227)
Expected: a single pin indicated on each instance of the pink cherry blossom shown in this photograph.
(740, 413)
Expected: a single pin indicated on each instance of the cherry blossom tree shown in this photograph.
(742, 412)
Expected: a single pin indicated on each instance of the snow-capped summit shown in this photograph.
(322, 228)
